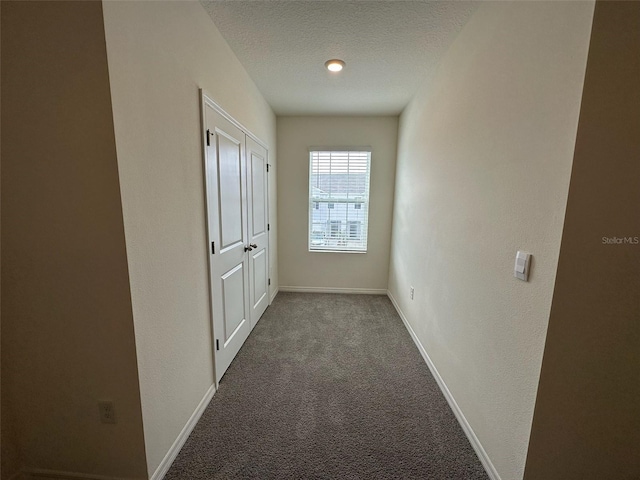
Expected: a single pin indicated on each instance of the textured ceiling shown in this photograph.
(390, 48)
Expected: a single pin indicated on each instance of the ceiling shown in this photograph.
(390, 49)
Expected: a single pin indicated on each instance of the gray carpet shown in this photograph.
(328, 387)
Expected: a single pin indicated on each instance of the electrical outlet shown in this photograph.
(107, 411)
(411, 293)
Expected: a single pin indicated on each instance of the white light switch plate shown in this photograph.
(521, 268)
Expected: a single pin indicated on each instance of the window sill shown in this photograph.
(336, 251)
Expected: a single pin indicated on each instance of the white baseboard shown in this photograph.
(171, 455)
(466, 427)
(41, 474)
(364, 291)
(273, 295)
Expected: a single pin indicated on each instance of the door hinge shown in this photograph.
(208, 133)
(213, 248)
(268, 226)
(267, 168)
(269, 281)
(217, 344)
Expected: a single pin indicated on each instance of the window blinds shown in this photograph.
(339, 200)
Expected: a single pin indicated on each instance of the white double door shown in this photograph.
(236, 189)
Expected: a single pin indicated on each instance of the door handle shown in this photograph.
(248, 249)
(253, 245)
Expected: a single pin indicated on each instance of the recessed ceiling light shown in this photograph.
(334, 65)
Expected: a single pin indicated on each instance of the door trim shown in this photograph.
(206, 99)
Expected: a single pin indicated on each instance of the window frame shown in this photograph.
(318, 233)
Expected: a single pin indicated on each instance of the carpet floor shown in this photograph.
(328, 386)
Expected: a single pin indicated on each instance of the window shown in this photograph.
(354, 229)
(339, 179)
(335, 227)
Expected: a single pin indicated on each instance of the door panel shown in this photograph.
(233, 301)
(230, 158)
(259, 274)
(258, 231)
(258, 182)
(227, 208)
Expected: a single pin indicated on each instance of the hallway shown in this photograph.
(328, 386)
(478, 131)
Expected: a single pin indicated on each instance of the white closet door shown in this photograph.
(258, 230)
(227, 211)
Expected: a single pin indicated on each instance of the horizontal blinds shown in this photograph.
(339, 200)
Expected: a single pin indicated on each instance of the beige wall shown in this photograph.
(8, 463)
(484, 160)
(299, 267)
(160, 53)
(67, 326)
(8, 454)
(586, 422)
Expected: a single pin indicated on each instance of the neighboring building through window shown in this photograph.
(339, 199)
